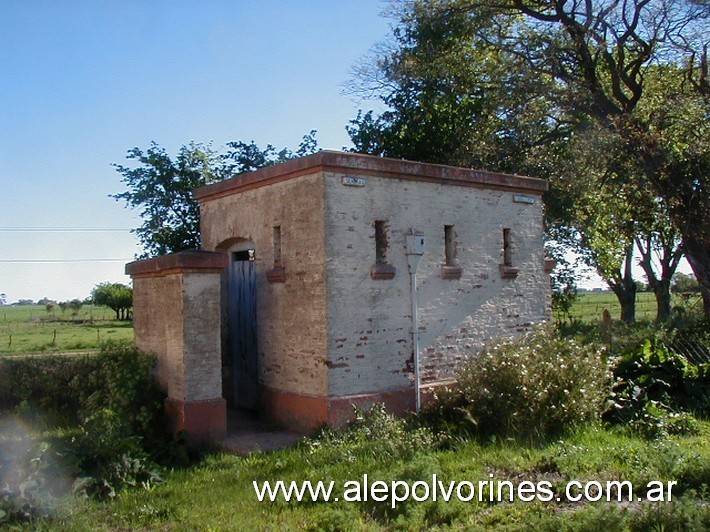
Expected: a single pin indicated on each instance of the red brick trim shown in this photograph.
(305, 414)
(340, 409)
(276, 275)
(368, 165)
(451, 272)
(202, 421)
(383, 272)
(508, 272)
(195, 261)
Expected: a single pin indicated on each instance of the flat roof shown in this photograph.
(369, 165)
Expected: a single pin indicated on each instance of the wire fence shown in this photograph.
(694, 350)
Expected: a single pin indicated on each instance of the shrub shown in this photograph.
(122, 382)
(111, 403)
(109, 457)
(374, 432)
(65, 390)
(655, 387)
(538, 386)
(48, 386)
(31, 479)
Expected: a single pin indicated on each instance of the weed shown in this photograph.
(539, 386)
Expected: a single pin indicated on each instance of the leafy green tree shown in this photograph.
(547, 80)
(116, 296)
(161, 187)
(683, 282)
(75, 306)
(454, 96)
(246, 157)
(601, 52)
(616, 217)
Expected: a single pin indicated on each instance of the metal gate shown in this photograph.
(242, 328)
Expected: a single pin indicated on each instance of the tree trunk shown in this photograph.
(625, 289)
(699, 259)
(662, 291)
(627, 300)
(669, 258)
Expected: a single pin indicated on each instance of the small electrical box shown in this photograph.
(415, 244)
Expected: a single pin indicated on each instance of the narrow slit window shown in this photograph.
(450, 245)
(381, 270)
(507, 248)
(277, 246)
(380, 242)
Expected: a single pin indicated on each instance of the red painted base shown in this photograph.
(300, 413)
(397, 402)
(306, 414)
(202, 421)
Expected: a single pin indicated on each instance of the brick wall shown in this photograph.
(369, 337)
(329, 333)
(290, 315)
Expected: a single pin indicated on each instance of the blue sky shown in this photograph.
(81, 82)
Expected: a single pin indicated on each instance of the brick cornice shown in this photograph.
(369, 165)
(196, 261)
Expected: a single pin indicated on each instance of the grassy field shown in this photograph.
(31, 329)
(218, 493)
(591, 305)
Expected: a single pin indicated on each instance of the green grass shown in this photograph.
(31, 329)
(217, 492)
(590, 306)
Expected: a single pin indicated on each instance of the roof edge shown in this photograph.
(372, 165)
(192, 260)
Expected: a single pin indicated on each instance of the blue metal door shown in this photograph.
(242, 328)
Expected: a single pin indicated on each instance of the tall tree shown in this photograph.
(161, 187)
(561, 68)
(601, 51)
(116, 296)
(454, 96)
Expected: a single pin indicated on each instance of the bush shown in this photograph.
(374, 432)
(63, 390)
(32, 478)
(539, 386)
(655, 388)
(122, 382)
(51, 387)
(109, 457)
(113, 408)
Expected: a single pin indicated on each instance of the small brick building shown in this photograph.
(301, 302)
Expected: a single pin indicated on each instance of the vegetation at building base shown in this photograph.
(538, 387)
(89, 425)
(614, 403)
